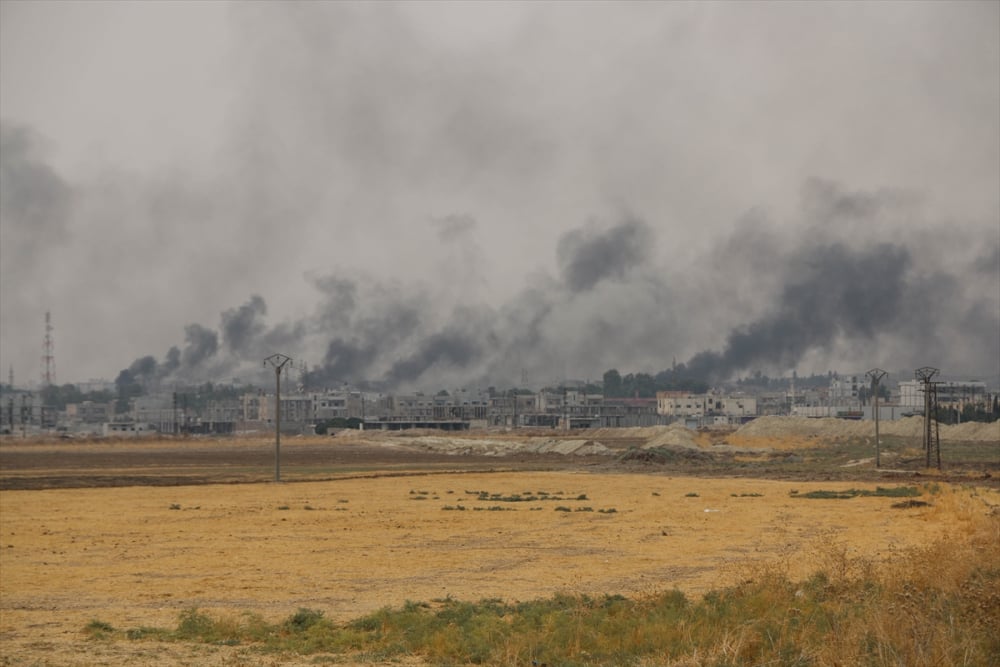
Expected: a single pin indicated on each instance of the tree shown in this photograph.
(612, 383)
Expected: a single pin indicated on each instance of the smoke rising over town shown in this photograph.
(834, 299)
(420, 196)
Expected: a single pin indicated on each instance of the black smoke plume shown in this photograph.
(820, 295)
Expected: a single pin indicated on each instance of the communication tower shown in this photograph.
(48, 354)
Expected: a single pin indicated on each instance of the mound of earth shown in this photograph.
(458, 445)
(675, 435)
(661, 455)
(831, 427)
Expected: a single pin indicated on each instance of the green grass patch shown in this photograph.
(523, 497)
(843, 616)
(98, 629)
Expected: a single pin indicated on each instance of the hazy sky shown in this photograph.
(461, 193)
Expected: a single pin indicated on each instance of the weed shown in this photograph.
(174, 506)
(99, 630)
(284, 507)
(144, 632)
(691, 495)
(908, 504)
(563, 508)
(303, 619)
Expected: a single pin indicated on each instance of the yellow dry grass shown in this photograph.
(137, 556)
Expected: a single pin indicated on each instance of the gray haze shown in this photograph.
(427, 195)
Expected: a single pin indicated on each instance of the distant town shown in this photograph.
(105, 408)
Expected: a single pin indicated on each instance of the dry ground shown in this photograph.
(359, 540)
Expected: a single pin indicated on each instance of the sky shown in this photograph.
(425, 195)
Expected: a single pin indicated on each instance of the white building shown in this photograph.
(679, 404)
(846, 389)
(682, 405)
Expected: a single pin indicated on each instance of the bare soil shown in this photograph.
(132, 533)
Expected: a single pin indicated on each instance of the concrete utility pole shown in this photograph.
(876, 375)
(278, 361)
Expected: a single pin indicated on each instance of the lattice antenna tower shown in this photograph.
(48, 354)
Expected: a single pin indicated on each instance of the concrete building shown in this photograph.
(680, 405)
(706, 408)
(128, 428)
(952, 394)
(89, 412)
(630, 412)
(847, 388)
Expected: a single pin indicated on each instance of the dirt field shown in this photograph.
(382, 525)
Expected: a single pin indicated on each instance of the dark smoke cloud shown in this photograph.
(240, 326)
(834, 292)
(201, 345)
(36, 201)
(587, 256)
(452, 348)
(35, 209)
(820, 294)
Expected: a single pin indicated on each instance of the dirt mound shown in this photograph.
(909, 427)
(674, 435)
(661, 455)
(503, 447)
(975, 431)
(630, 432)
(830, 427)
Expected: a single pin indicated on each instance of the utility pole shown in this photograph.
(278, 361)
(48, 356)
(25, 416)
(932, 440)
(876, 375)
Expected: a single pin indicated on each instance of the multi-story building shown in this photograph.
(159, 412)
(706, 407)
(953, 394)
(678, 404)
(627, 412)
(847, 389)
(89, 412)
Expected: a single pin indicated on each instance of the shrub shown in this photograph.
(97, 629)
(303, 619)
